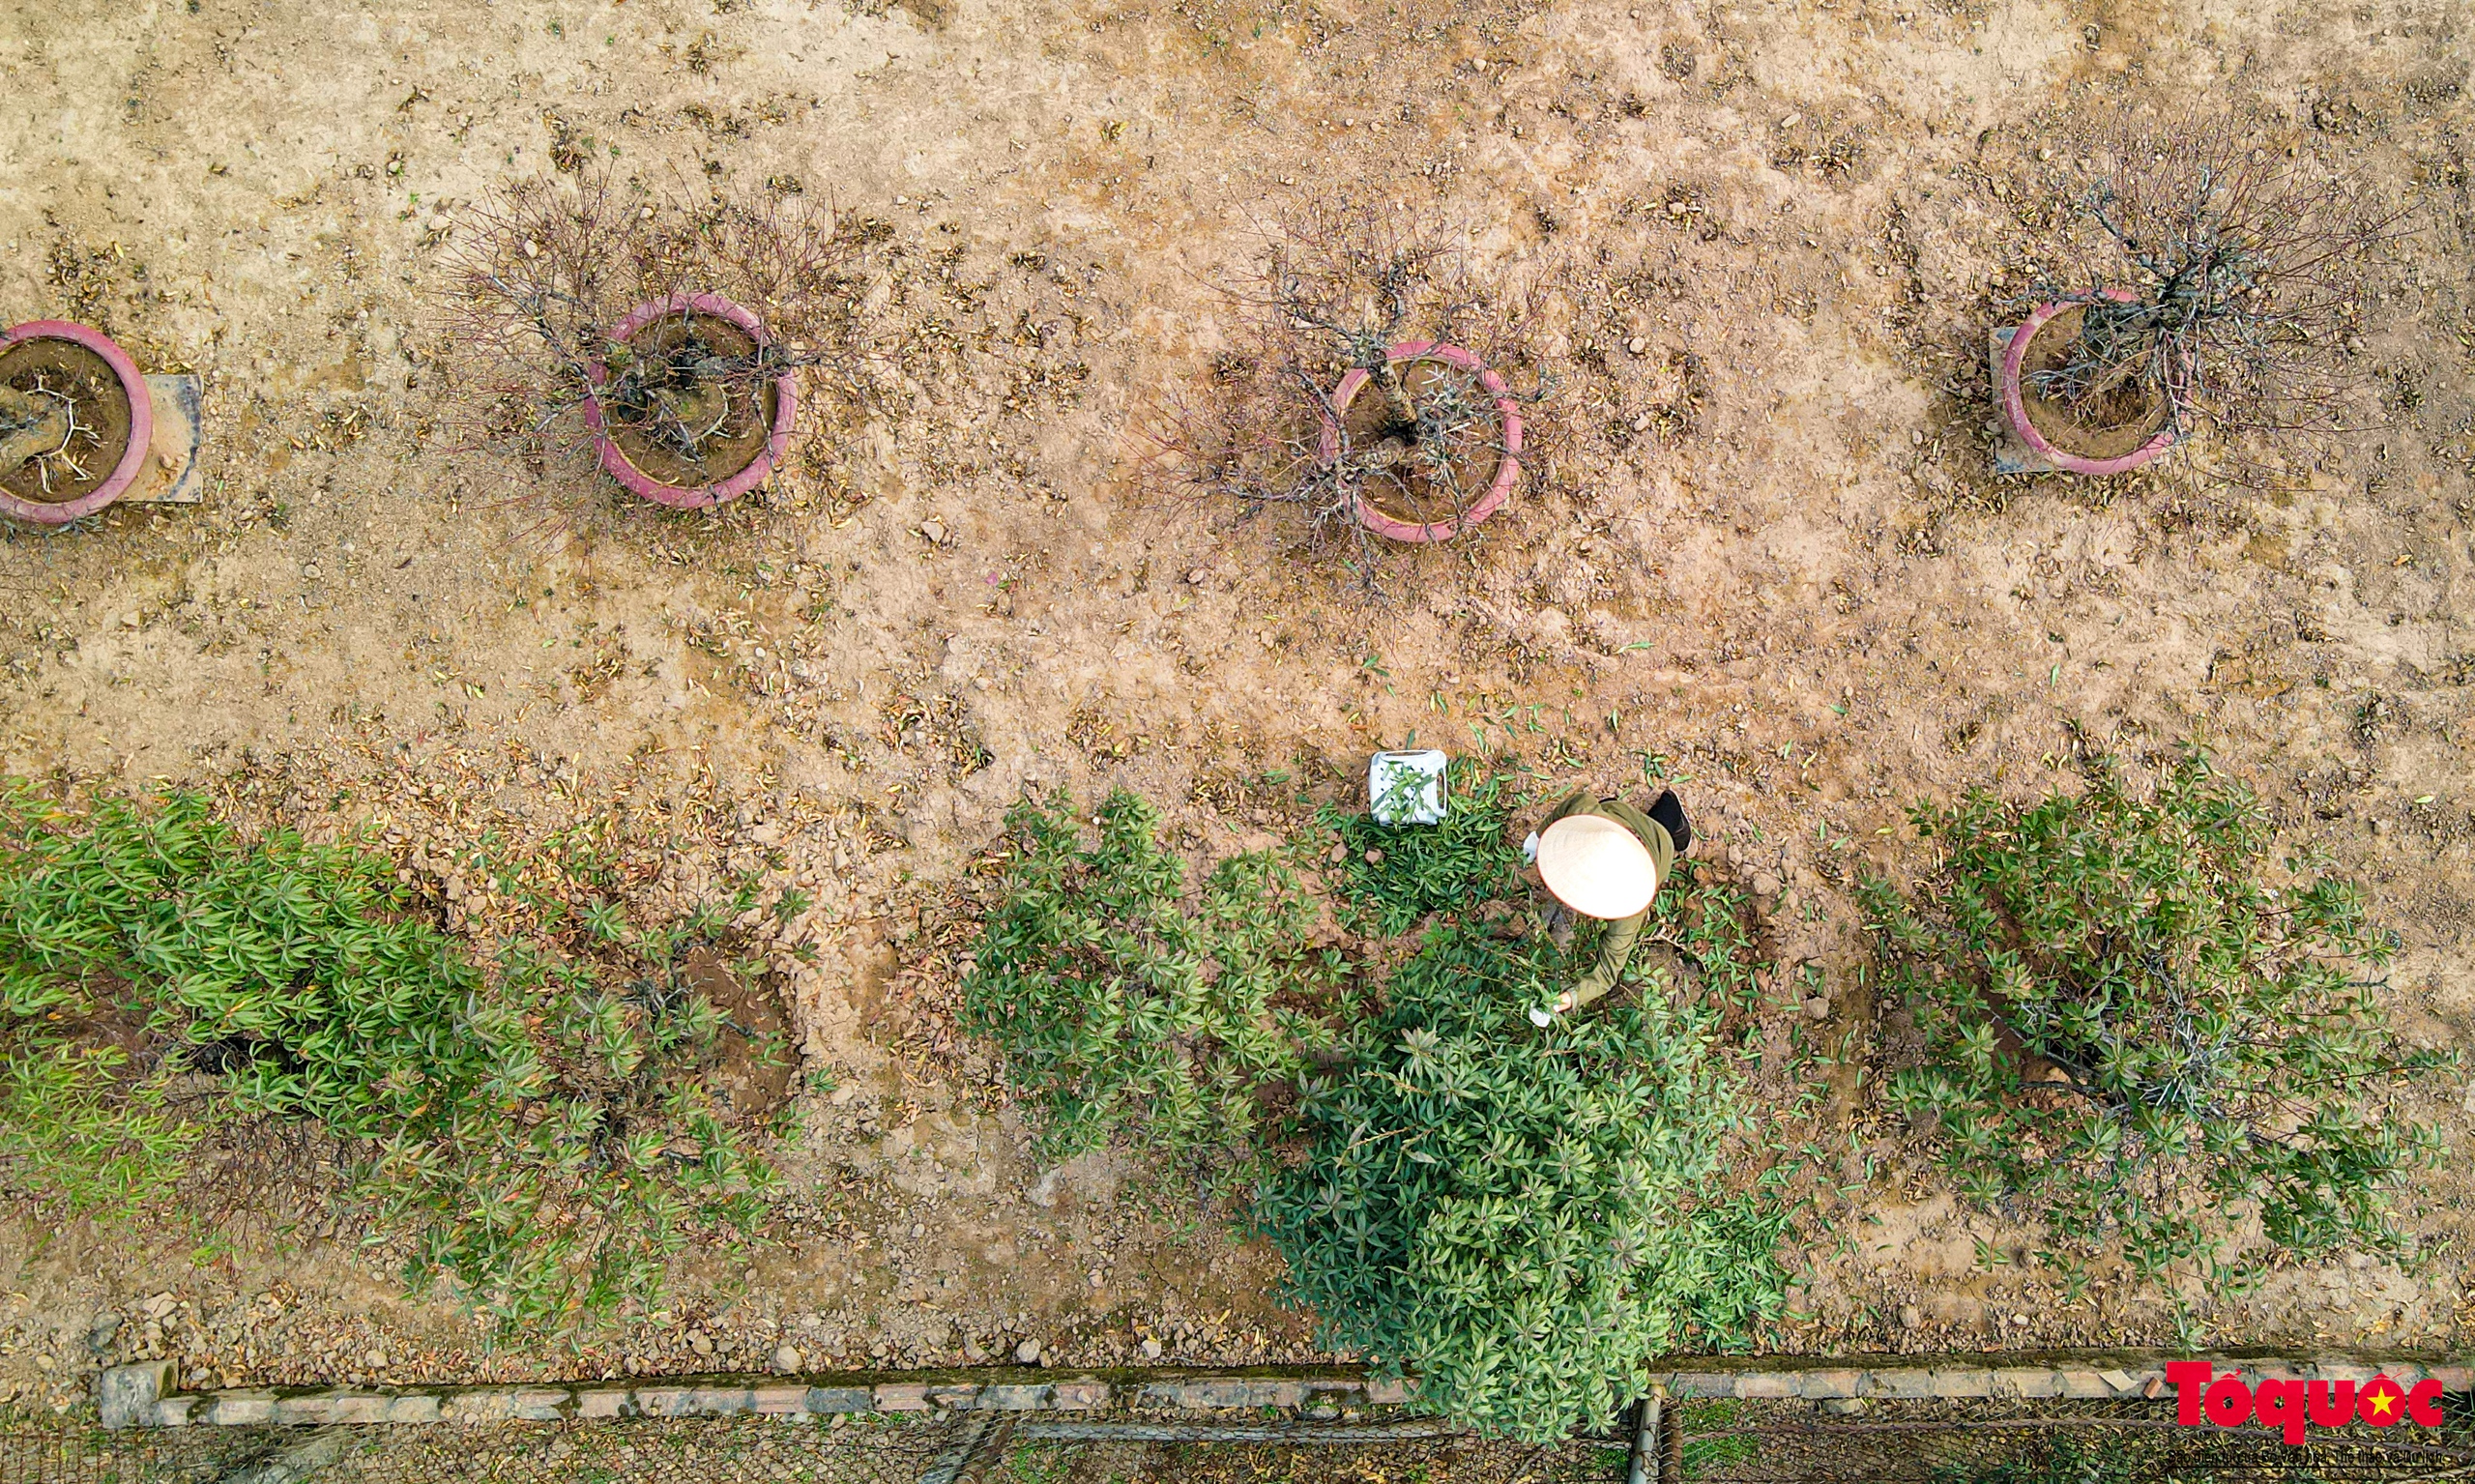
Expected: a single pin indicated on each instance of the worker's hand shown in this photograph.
(1547, 1017)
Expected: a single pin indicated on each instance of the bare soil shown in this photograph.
(1759, 540)
(758, 1055)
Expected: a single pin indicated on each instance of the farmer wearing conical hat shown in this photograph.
(1604, 859)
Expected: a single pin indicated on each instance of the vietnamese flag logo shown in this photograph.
(2381, 1402)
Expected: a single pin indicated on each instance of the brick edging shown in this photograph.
(145, 1395)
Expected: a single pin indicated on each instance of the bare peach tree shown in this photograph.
(1336, 289)
(2217, 266)
(535, 296)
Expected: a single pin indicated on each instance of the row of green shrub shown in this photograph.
(2139, 1026)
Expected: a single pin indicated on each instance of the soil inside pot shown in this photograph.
(2125, 418)
(673, 417)
(1428, 451)
(63, 420)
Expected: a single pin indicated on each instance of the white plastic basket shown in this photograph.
(1405, 788)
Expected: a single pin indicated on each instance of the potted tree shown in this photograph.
(2213, 281)
(1364, 387)
(75, 422)
(662, 337)
(1432, 451)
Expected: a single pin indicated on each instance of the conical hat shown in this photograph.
(1596, 867)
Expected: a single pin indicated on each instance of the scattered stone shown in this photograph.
(1375, 857)
(1152, 1349)
(786, 1359)
(1637, 345)
(1027, 1353)
(1816, 1008)
(1197, 577)
(1910, 1316)
(933, 531)
(1766, 885)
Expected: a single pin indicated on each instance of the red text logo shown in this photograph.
(2288, 1407)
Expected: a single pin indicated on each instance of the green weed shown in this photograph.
(1121, 1011)
(1417, 869)
(2133, 1031)
(1519, 1215)
(76, 1132)
(539, 1136)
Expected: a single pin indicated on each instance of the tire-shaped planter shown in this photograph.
(141, 423)
(1509, 460)
(614, 459)
(2014, 407)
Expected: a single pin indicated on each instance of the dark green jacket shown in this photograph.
(1616, 942)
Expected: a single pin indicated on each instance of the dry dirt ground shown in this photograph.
(1776, 230)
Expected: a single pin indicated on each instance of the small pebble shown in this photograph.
(935, 531)
(1152, 1347)
(1375, 857)
(786, 1359)
(1027, 1353)
(1637, 345)
(1816, 1008)
(1766, 885)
